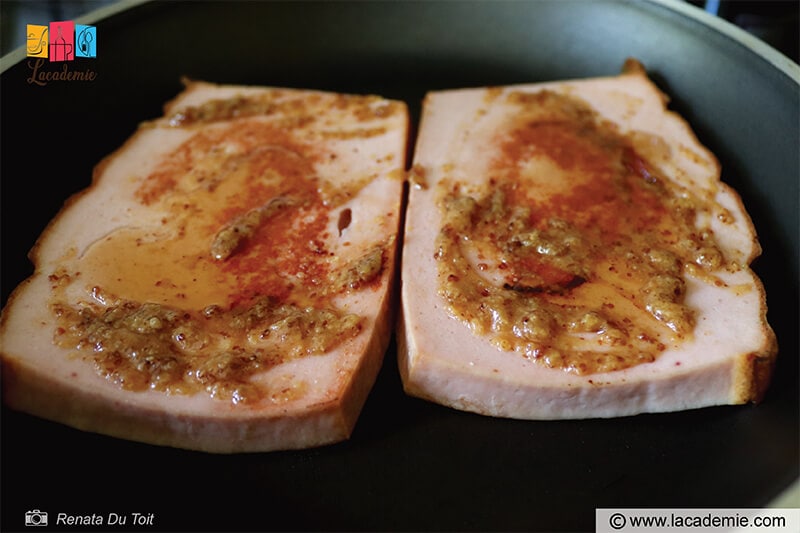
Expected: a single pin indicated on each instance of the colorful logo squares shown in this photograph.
(85, 41)
(62, 41)
(37, 43)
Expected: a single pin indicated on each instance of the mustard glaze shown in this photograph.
(238, 276)
(586, 275)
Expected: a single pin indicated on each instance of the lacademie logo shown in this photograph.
(61, 41)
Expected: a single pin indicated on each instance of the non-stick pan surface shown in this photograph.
(413, 465)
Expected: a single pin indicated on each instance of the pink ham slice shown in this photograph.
(215, 300)
(519, 298)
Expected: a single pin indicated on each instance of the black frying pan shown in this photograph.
(412, 465)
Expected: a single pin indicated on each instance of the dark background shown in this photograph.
(774, 22)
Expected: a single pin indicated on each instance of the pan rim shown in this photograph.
(763, 50)
(18, 55)
(775, 57)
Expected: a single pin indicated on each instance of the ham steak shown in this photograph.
(225, 282)
(570, 252)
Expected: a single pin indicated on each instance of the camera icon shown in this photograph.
(36, 518)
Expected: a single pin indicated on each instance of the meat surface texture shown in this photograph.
(570, 252)
(225, 283)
